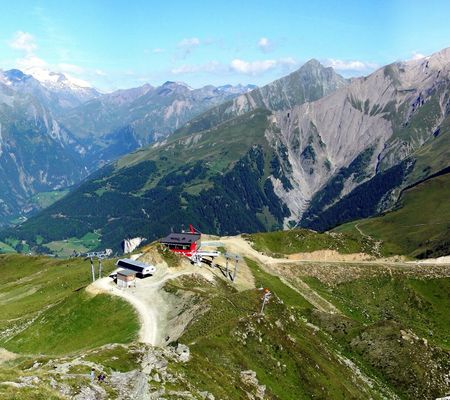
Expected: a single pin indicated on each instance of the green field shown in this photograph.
(6, 248)
(280, 243)
(66, 248)
(295, 350)
(45, 199)
(419, 304)
(288, 357)
(45, 309)
(420, 227)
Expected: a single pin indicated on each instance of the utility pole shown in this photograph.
(100, 255)
(92, 268)
(228, 257)
(100, 269)
(236, 260)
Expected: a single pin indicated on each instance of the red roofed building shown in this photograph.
(186, 243)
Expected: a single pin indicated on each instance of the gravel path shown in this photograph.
(147, 299)
(147, 314)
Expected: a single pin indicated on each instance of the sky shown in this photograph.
(121, 44)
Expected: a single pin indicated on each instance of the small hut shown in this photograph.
(126, 278)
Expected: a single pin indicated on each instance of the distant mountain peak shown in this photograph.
(175, 84)
(313, 62)
(51, 78)
(16, 75)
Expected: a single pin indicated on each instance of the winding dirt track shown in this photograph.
(152, 308)
(147, 315)
(240, 246)
(146, 300)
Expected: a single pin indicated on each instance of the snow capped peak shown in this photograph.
(57, 79)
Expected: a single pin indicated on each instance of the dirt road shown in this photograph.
(147, 299)
(239, 245)
(147, 315)
(152, 307)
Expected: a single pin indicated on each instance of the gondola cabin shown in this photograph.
(186, 243)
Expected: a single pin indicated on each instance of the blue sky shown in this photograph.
(119, 44)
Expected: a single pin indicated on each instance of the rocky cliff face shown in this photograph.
(359, 131)
(36, 152)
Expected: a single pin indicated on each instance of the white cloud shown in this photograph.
(261, 66)
(417, 56)
(212, 66)
(349, 65)
(265, 45)
(75, 69)
(30, 62)
(252, 67)
(158, 50)
(23, 41)
(187, 45)
(189, 42)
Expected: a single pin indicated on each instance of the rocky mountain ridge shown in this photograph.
(36, 152)
(310, 82)
(376, 123)
(343, 156)
(42, 149)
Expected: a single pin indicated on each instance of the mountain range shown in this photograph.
(54, 132)
(311, 149)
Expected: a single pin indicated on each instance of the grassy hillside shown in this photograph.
(393, 322)
(387, 339)
(281, 243)
(420, 227)
(45, 309)
(291, 359)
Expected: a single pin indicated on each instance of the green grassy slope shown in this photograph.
(389, 340)
(394, 321)
(393, 327)
(281, 243)
(416, 303)
(45, 199)
(45, 309)
(289, 357)
(420, 227)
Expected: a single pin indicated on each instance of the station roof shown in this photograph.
(126, 272)
(181, 238)
(132, 264)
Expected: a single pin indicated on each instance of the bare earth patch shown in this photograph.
(6, 355)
